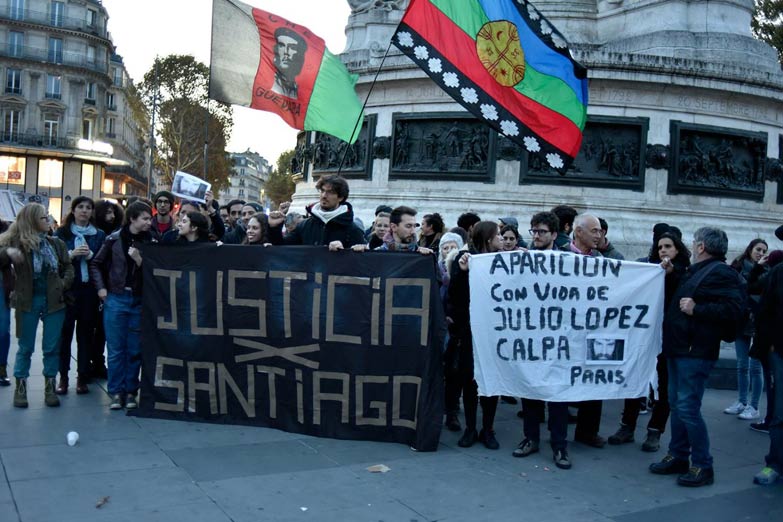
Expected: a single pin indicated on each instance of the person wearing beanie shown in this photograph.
(162, 221)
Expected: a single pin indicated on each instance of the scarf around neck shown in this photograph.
(328, 215)
(45, 258)
(79, 240)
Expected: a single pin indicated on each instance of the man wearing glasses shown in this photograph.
(162, 221)
(543, 228)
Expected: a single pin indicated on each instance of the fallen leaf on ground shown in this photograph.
(379, 468)
(101, 502)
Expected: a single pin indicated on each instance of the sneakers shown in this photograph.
(761, 427)
(653, 441)
(696, 477)
(749, 413)
(526, 448)
(644, 408)
(487, 438)
(623, 435)
(4, 380)
(561, 459)
(116, 402)
(735, 409)
(669, 466)
(130, 402)
(766, 477)
(468, 438)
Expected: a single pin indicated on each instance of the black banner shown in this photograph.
(331, 344)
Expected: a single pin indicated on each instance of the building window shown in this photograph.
(110, 101)
(51, 128)
(108, 186)
(15, 43)
(57, 11)
(50, 181)
(92, 18)
(17, 9)
(88, 177)
(87, 128)
(11, 123)
(110, 124)
(56, 50)
(13, 81)
(90, 91)
(12, 172)
(116, 74)
(53, 84)
(91, 54)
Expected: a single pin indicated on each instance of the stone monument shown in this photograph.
(685, 125)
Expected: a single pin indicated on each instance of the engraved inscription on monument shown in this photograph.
(442, 145)
(612, 155)
(717, 161)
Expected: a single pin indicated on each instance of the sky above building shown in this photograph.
(142, 29)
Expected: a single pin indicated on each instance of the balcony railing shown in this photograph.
(61, 58)
(62, 22)
(89, 101)
(54, 95)
(35, 140)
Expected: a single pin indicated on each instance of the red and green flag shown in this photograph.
(505, 63)
(263, 61)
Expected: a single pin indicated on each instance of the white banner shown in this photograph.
(558, 326)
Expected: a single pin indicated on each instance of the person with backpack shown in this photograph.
(703, 311)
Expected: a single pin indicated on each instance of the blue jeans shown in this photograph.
(50, 344)
(687, 380)
(122, 319)
(5, 327)
(748, 372)
(775, 457)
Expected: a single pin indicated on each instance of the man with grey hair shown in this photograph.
(702, 311)
(587, 235)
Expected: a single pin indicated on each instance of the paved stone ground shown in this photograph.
(154, 470)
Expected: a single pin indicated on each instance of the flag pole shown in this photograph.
(361, 114)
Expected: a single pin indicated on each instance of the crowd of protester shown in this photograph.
(85, 277)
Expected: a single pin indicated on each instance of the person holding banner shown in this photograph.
(116, 273)
(544, 229)
(485, 238)
(331, 223)
(192, 227)
(703, 310)
(674, 258)
(587, 236)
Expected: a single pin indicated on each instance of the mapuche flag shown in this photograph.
(506, 64)
(265, 62)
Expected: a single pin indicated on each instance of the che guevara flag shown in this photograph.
(506, 64)
(262, 61)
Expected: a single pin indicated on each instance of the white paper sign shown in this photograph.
(557, 326)
(187, 186)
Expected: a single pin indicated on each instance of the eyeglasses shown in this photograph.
(538, 231)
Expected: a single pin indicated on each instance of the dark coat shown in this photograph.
(94, 242)
(108, 269)
(770, 315)
(313, 231)
(718, 300)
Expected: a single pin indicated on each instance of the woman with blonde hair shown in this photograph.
(43, 274)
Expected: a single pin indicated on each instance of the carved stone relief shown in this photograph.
(613, 155)
(717, 161)
(330, 154)
(442, 144)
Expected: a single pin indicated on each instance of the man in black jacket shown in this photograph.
(708, 298)
(331, 221)
(769, 343)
